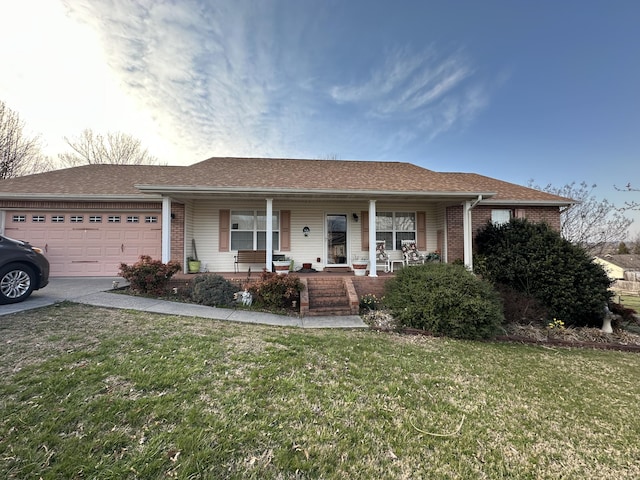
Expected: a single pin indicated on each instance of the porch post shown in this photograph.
(467, 226)
(166, 229)
(372, 239)
(269, 239)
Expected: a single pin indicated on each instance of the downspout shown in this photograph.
(166, 229)
(467, 233)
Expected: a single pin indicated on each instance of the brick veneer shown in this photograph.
(481, 214)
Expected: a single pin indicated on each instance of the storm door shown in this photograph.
(337, 239)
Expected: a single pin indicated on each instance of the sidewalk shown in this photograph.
(95, 291)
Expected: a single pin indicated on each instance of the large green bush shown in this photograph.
(213, 290)
(534, 259)
(444, 299)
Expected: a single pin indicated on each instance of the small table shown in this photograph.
(392, 261)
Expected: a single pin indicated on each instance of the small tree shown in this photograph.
(534, 259)
(623, 249)
(590, 223)
(149, 276)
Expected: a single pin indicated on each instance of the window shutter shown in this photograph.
(223, 228)
(364, 230)
(421, 221)
(285, 230)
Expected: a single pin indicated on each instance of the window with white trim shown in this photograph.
(394, 227)
(133, 219)
(95, 219)
(500, 216)
(19, 218)
(37, 218)
(249, 230)
(151, 219)
(57, 218)
(113, 219)
(76, 219)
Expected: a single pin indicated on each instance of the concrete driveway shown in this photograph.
(63, 288)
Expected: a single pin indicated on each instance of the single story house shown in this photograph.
(621, 267)
(89, 219)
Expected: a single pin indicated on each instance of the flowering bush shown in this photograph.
(149, 276)
(370, 302)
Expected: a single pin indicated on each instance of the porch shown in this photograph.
(327, 292)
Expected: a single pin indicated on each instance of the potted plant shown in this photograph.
(282, 266)
(359, 266)
(192, 261)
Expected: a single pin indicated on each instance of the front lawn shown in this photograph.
(89, 392)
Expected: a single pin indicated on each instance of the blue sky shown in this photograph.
(516, 90)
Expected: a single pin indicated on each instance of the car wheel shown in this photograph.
(16, 283)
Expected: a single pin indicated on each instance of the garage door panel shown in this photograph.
(78, 250)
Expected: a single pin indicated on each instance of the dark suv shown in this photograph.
(23, 269)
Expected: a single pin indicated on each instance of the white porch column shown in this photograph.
(269, 239)
(372, 239)
(166, 229)
(467, 226)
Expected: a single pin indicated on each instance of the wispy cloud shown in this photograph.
(436, 91)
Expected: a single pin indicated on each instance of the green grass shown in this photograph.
(631, 301)
(87, 392)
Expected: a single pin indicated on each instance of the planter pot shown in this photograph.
(281, 266)
(360, 268)
(606, 325)
(194, 266)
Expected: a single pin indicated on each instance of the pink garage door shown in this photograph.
(85, 244)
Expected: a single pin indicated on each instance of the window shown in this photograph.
(152, 219)
(394, 227)
(249, 230)
(76, 219)
(95, 219)
(133, 219)
(19, 218)
(57, 218)
(113, 219)
(501, 216)
(37, 218)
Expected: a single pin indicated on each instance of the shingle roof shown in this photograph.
(629, 262)
(266, 174)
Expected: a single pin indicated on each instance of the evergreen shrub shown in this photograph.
(533, 258)
(273, 291)
(213, 290)
(444, 299)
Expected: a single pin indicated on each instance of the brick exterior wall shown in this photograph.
(481, 214)
(177, 232)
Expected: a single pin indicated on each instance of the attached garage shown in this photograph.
(88, 243)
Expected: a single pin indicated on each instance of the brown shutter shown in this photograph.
(421, 221)
(223, 228)
(285, 230)
(364, 229)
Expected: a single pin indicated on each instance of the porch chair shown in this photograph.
(382, 257)
(410, 253)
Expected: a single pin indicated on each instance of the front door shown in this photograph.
(337, 239)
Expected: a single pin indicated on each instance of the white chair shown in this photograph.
(382, 257)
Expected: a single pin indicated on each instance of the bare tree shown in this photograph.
(116, 148)
(19, 154)
(632, 204)
(590, 223)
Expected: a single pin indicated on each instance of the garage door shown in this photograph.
(88, 244)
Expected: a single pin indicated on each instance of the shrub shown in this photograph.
(534, 259)
(213, 290)
(149, 276)
(276, 291)
(521, 308)
(370, 302)
(444, 299)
